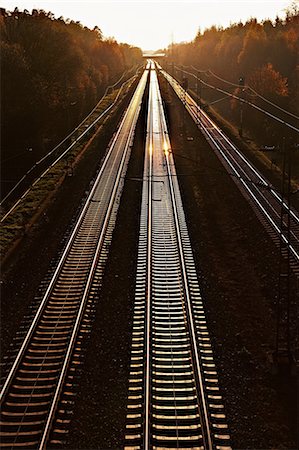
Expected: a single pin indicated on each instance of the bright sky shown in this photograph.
(152, 25)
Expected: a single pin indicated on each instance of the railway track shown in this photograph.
(37, 394)
(62, 152)
(174, 400)
(265, 200)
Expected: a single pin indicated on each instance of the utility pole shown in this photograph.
(198, 96)
(185, 87)
(241, 85)
(282, 354)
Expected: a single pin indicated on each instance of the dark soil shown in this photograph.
(258, 159)
(28, 264)
(100, 411)
(237, 265)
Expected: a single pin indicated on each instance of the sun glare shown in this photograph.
(166, 148)
(153, 25)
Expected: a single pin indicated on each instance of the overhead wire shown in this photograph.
(241, 100)
(246, 86)
(71, 134)
(255, 93)
(75, 142)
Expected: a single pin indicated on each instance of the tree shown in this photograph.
(269, 82)
(52, 73)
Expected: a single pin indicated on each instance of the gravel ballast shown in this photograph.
(237, 264)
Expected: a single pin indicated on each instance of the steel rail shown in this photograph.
(60, 264)
(249, 187)
(86, 292)
(294, 214)
(230, 143)
(70, 134)
(287, 124)
(125, 140)
(260, 192)
(149, 146)
(173, 399)
(203, 406)
(245, 178)
(255, 92)
(60, 157)
(236, 168)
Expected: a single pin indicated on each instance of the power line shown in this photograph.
(273, 104)
(245, 87)
(225, 81)
(255, 92)
(62, 155)
(241, 100)
(199, 70)
(71, 134)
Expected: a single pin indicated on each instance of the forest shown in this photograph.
(53, 71)
(253, 60)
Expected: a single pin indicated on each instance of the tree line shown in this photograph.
(262, 55)
(53, 71)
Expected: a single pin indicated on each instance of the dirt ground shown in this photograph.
(24, 269)
(237, 267)
(99, 422)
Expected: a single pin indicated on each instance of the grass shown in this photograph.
(15, 226)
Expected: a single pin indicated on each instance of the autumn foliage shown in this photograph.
(53, 72)
(265, 54)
